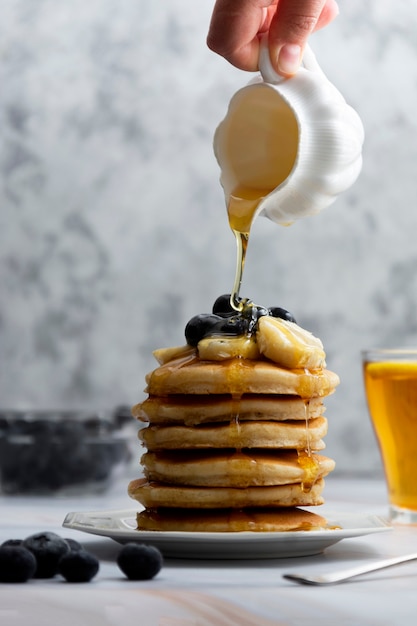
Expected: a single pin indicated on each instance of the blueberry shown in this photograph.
(74, 546)
(78, 566)
(251, 312)
(139, 561)
(199, 326)
(261, 311)
(277, 311)
(234, 325)
(48, 548)
(17, 564)
(223, 307)
(12, 542)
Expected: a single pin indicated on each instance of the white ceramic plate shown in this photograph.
(120, 526)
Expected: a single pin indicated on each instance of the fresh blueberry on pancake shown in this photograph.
(222, 306)
(199, 326)
(277, 311)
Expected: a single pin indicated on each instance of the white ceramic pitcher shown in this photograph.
(293, 143)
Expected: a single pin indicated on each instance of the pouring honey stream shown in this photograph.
(241, 210)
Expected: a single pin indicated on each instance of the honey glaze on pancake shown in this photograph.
(229, 468)
(306, 459)
(237, 376)
(230, 520)
(307, 383)
(162, 373)
(236, 433)
(193, 410)
(154, 494)
(231, 372)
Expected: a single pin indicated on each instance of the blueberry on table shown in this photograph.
(277, 311)
(48, 548)
(199, 327)
(74, 545)
(78, 566)
(17, 564)
(139, 561)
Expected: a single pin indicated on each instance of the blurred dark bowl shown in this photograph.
(63, 452)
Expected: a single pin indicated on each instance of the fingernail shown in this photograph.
(289, 58)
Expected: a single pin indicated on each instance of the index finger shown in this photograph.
(235, 27)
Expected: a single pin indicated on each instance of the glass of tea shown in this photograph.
(391, 391)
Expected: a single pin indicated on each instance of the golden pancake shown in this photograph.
(234, 520)
(154, 495)
(237, 434)
(249, 468)
(194, 409)
(236, 377)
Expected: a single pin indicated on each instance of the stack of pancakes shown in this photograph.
(232, 445)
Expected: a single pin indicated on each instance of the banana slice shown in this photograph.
(288, 345)
(222, 347)
(164, 355)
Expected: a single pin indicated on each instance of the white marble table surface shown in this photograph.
(218, 593)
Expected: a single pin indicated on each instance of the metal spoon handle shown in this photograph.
(337, 577)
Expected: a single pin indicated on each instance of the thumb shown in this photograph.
(292, 24)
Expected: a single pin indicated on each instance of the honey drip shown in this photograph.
(242, 240)
(313, 382)
(306, 459)
(241, 210)
(307, 420)
(235, 429)
(310, 465)
(234, 424)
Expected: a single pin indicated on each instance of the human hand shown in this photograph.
(236, 26)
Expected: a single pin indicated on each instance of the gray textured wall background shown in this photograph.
(113, 229)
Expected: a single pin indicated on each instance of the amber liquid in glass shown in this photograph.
(391, 389)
